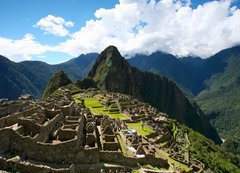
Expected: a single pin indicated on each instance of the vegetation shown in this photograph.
(86, 83)
(231, 146)
(217, 78)
(122, 145)
(221, 100)
(32, 76)
(171, 161)
(73, 89)
(97, 108)
(58, 80)
(211, 154)
(141, 129)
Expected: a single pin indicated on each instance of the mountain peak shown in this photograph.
(112, 53)
(113, 73)
(58, 80)
(109, 60)
(112, 49)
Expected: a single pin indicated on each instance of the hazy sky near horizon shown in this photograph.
(54, 31)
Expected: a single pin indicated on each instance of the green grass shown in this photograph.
(122, 145)
(163, 143)
(152, 167)
(135, 171)
(162, 154)
(76, 98)
(145, 131)
(97, 108)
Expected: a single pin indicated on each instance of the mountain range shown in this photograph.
(213, 82)
(32, 76)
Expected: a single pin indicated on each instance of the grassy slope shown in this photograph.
(98, 108)
(145, 131)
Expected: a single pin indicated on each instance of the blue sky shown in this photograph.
(24, 37)
(19, 16)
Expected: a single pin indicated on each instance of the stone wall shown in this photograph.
(87, 155)
(80, 131)
(52, 113)
(110, 146)
(68, 109)
(48, 128)
(66, 134)
(12, 108)
(18, 166)
(5, 135)
(63, 152)
(29, 127)
(119, 158)
(13, 119)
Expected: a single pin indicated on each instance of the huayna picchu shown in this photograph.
(108, 123)
(113, 73)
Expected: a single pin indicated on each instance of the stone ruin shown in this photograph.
(61, 136)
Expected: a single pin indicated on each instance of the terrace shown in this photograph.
(97, 109)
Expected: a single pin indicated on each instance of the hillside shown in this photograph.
(58, 80)
(112, 72)
(214, 82)
(12, 81)
(186, 76)
(32, 76)
(221, 98)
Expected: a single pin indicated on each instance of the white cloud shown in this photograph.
(54, 25)
(145, 26)
(23, 49)
(140, 26)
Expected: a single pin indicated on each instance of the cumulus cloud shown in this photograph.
(54, 25)
(140, 26)
(22, 49)
(146, 26)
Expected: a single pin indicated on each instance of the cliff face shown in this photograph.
(112, 72)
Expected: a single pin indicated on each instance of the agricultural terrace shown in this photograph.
(141, 129)
(97, 108)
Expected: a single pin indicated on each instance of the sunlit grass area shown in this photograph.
(140, 128)
(97, 109)
(122, 145)
(172, 162)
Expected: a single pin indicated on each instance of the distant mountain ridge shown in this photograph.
(32, 76)
(113, 73)
(168, 65)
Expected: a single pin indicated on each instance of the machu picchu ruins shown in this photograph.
(91, 131)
